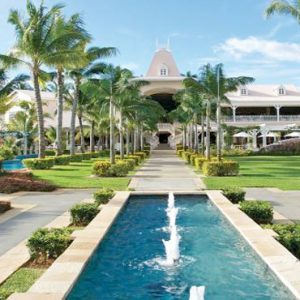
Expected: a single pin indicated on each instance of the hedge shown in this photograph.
(288, 236)
(61, 160)
(220, 168)
(103, 196)
(137, 158)
(50, 152)
(39, 163)
(141, 154)
(83, 213)
(101, 168)
(234, 194)
(76, 157)
(119, 169)
(48, 243)
(193, 158)
(6, 152)
(186, 155)
(199, 161)
(260, 211)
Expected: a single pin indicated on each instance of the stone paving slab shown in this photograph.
(164, 171)
(286, 203)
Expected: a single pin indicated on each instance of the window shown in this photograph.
(244, 92)
(281, 91)
(163, 71)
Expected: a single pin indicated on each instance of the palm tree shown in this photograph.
(284, 7)
(7, 86)
(70, 56)
(79, 75)
(36, 45)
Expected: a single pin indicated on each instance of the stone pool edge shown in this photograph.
(59, 279)
(283, 264)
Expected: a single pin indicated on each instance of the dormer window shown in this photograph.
(164, 71)
(244, 92)
(281, 91)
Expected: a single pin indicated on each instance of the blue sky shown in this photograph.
(234, 32)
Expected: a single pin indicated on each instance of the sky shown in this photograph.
(233, 32)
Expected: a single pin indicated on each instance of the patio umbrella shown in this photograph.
(294, 134)
(272, 135)
(242, 135)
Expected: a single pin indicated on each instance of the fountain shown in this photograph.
(172, 245)
(197, 293)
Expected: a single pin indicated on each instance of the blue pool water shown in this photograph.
(16, 164)
(126, 263)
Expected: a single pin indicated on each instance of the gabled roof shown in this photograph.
(163, 58)
(29, 95)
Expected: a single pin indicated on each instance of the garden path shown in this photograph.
(164, 171)
(45, 208)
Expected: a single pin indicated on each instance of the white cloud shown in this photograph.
(269, 49)
(131, 66)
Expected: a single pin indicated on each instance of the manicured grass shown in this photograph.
(20, 281)
(77, 175)
(281, 172)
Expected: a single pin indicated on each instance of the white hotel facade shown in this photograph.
(273, 108)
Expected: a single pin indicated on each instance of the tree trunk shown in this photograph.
(184, 138)
(142, 138)
(111, 132)
(127, 141)
(73, 116)
(208, 130)
(98, 143)
(202, 135)
(60, 107)
(40, 114)
(191, 136)
(121, 136)
(196, 142)
(219, 137)
(82, 143)
(135, 140)
(92, 137)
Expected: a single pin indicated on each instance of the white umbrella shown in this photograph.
(272, 134)
(293, 134)
(242, 135)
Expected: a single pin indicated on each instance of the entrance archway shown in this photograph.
(163, 137)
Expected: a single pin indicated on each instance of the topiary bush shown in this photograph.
(186, 155)
(234, 194)
(119, 169)
(130, 162)
(101, 168)
(199, 162)
(220, 168)
(50, 152)
(193, 158)
(62, 160)
(137, 158)
(141, 154)
(260, 211)
(76, 157)
(83, 213)
(288, 236)
(48, 243)
(39, 163)
(103, 196)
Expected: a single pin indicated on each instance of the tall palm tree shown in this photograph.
(284, 7)
(70, 57)
(79, 75)
(36, 45)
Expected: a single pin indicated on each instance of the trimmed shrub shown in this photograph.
(260, 211)
(186, 155)
(66, 152)
(179, 147)
(83, 213)
(20, 181)
(130, 162)
(104, 153)
(199, 162)
(62, 160)
(137, 158)
(39, 163)
(1, 160)
(180, 152)
(76, 157)
(288, 236)
(141, 154)
(234, 194)
(220, 168)
(86, 156)
(103, 196)
(147, 152)
(50, 152)
(101, 168)
(119, 169)
(6, 153)
(48, 243)
(193, 158)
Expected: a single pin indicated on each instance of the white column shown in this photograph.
(254, 138)
(233, 113)
(264, 131)
(278, 112)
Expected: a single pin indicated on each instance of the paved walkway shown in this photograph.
(164, 171)
(45, 207)
(287, 203)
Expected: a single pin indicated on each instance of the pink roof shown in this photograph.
(163, 58)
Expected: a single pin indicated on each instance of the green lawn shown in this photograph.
(20, 281)
(77, 175)
(281, 172)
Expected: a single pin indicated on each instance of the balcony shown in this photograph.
(261, 118)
